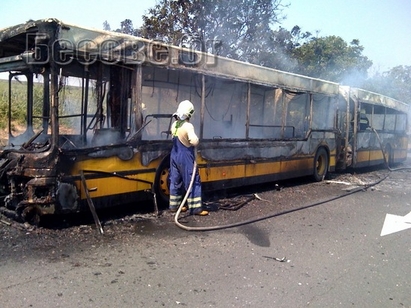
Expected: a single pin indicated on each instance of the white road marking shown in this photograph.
(395, 223)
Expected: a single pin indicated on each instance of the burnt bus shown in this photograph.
(87, 116)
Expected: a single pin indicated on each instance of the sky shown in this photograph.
(381, 26)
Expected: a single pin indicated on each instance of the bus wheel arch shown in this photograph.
(321, 164)
(161, 183)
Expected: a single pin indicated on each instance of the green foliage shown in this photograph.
(238, 29)
(19, 103)
(3, 105)
(18, 106)
(395, 83)
(126, 27)
(331, 58)
(400, 77)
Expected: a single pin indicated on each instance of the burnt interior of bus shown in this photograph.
(274, 113)
(96, 110)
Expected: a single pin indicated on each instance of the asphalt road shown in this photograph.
(334, 255)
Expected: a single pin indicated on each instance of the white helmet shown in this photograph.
(185, 110)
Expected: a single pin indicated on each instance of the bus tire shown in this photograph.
(161, 183)
(321, 164)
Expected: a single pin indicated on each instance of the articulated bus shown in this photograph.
(87, 116)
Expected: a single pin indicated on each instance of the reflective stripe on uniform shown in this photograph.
(175, 201)
(194, 203)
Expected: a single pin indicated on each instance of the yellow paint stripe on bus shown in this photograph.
(209, 174)
(376, 155)
(262, 169)
(301, 164)
(363, 156)
(112, 186)
(366, 156)
(333, 160)
(106, 185)
(110, 164)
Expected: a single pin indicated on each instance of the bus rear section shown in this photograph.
(375, 127)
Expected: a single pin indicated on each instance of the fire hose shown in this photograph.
(257, 219)
(253, 220)
(211, 228)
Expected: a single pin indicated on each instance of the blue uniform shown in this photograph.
(181, 170)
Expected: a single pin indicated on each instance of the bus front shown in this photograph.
(29, 123)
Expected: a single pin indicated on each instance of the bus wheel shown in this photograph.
(161, 183)
(321, 162)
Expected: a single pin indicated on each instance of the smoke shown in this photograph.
(355, 79)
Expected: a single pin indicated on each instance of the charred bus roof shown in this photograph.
(22, 41)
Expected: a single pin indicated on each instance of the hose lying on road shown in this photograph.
(253, 220)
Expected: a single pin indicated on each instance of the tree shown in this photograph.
(106, 26)
(279, 52)
(395, 83)
(167, 21)
(238, 29)
(126, 27)
(331, 58)
(400, 77)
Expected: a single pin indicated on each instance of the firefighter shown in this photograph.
(182, 162)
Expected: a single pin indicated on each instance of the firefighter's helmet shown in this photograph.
(185, 110)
